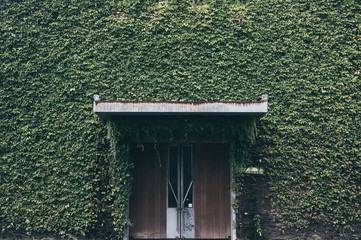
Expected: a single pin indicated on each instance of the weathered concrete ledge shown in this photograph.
(105, 109)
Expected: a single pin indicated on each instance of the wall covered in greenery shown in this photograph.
(56, 170)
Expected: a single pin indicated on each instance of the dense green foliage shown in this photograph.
(56, 173)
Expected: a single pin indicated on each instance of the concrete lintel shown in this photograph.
(105, 109)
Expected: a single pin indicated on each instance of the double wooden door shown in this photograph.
(181, 191)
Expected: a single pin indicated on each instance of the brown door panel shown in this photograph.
(212, 191)
(148, 200)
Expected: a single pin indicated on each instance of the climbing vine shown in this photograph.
(55, 55)
(120, 177)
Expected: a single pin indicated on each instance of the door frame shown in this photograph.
(232, 194)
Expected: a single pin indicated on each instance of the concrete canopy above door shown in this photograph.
(106, 109)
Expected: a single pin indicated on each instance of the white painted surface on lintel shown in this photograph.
(170, 108)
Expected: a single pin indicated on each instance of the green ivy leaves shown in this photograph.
(54, 55)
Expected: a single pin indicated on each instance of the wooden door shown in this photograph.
(212, 191)
(148, 200)
(211, 206)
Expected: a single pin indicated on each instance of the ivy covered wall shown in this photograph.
(55, 169)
